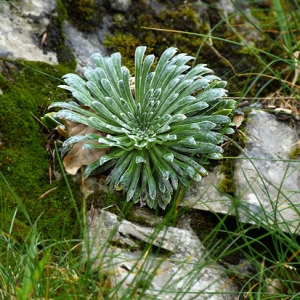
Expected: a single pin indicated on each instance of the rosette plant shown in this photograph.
(157, 132)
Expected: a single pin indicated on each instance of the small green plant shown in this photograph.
(157, 131)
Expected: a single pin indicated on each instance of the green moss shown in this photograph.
(295, 153)
(227, 186)
(19, 229)
(128, 31)
(125, 44)
(84, 14)
(27, 91)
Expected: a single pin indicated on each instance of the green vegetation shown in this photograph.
(152, 132)
(27, 90)
(84, 14)
(39, 259)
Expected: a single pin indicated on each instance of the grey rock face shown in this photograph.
(83, 45)
(267, 180)
(21, 25)
(205, 194)
(180, 274)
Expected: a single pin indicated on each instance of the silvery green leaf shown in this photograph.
(134, 182)
(124, 140)
(106, 113)
(196, 127)
(211, 95)
(74, 108)
(182, 86)
(187, 100)
(122, 122)
(111, 90)
(161, 65)
(120, 167)
(171, 137)
(100, 74)
(215, 156)
(208, 137)
(80, 138)
(91, 75)
(112, 155)
(97, 123)
(72, 116)
(67, 105)
(188, 141)
(126, 98)
(95, 91)
(165, 76)
(161, 129)
(167, 104)
(161, 185)
(90, 168)
(164, 119)
(145, 68)
(224, 112)
(227, 131)
(74, 139)
(165, 173)
(181, 59)
(157, 93)
(73, 80)
(128, 145)
(109, 142)
(88, 145)
(170, 88)
(165, 199)
(198, 148)
(95, 166)
(169, 156)
(116, 60)
(140, 159)
(177, 168)
(128, 175)
(139, 85)
(217, 119)
(220, 84)
(194, 108)
(206, 125)
(193, 174)
(149, 179)
(98, 59)
(156, 132)
(126, 107)
(84, 98)
(149, 80)
(190, 161)
(177, 118)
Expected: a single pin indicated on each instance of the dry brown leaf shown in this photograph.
(238, 120)
(77, 157)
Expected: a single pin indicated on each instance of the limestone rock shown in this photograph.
(83, 45)
(205, 194)
(179, 268)
(21, 26)
(267, 180)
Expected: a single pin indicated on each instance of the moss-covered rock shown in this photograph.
(28, 88)
(84, 14)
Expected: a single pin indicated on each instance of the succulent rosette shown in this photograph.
(158, 134)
